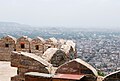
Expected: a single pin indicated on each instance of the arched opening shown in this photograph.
(6, 45)
(37, 47)
(22, 45)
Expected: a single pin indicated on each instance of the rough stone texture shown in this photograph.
(115, 76)
(89, 78)
(35, 76)
(77, 66)
(17, 78)
(7, 44)
(55, 56)
(51, 43)
(72, 48)
(73, 68)
(22, 61)
(37, 46)
(70, 53)
(24, 40)
(27, 62)
(61, 42)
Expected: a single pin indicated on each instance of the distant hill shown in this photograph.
(12, 25)
(17, 30)
(9, 24)
(13, 28)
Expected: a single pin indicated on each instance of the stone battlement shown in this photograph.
(37, 46)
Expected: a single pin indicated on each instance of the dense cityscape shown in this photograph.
(99, 48)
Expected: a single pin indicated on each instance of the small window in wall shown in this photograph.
(17, 71)
(22, 45)
(37, 47)
(29, 51)
(49, 46)
(14, 49)
(7, 45)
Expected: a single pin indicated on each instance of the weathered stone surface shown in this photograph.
(70, 49)
(77, 66)
(17, 78)
(35, 76)
(23, 44)
(37, 46)
(27, 62)
(7, 44)
(50, 43)
(114, 76)
(55, 56)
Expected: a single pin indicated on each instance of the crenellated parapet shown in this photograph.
(7, 44)
(36, 45)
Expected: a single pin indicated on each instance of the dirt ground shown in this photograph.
(6, 71)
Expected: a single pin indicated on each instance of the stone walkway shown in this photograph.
(6, 71)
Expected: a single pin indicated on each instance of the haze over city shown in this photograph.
(62, 13)
(60, 40)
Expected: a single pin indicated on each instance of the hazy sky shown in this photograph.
(68, 13)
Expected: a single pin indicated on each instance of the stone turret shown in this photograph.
(37, 46)
(7, 44)
(51, 43)
(55, 56)
(23, 44)
(27, 62)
